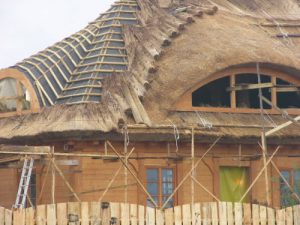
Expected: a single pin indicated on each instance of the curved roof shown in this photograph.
(162, 56)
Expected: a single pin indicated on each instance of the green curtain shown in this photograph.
(234, 183)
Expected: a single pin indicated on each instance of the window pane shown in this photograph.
(152, 175)
(152, 188)
(9, 95)
(167, 175)
(167, 188)
(213, 94)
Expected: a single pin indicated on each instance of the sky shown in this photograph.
(29, 26)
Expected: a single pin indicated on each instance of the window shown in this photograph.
(13, 96)
(234, 183)
(286, 196)
(160, 185)
(241, 91)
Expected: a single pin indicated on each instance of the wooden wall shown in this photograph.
(8, 186)
(91, 176)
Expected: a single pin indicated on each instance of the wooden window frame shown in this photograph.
(21, 79)
(185, 101)
(160, 196)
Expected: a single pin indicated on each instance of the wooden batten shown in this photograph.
(132, 104)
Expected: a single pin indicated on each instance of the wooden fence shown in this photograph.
(95, 213)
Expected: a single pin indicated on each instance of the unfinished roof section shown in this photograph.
(71, 71)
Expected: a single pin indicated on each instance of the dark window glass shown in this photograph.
(287, 99)
(213, 94)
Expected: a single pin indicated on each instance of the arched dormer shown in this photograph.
(236, 90)
(17, 95)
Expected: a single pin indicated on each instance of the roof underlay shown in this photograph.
(136, 60)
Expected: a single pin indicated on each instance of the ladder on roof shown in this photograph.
(24, 183)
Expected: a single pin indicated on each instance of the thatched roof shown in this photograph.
(167, 53)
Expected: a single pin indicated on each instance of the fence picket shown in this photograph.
(8, 217)
(95, 213)
(133, 214)
(263, 215)
(296, 210)
(271, 216)
(41, 215)
(125, 214)
(223, 213)
(62, 218)
(141, 215)
(206, 213)
(238, 213)
(247, 213)
(105, 213)
(115, 212)
(214, 213)
(169, 216)
(73, 212)
(2, 215)
(150, 216)
(177, 215)
(289, 216)
(84, 213)
(255, 214)
(19, 217)
(51, 214)
(29, 216)
(159, 217)
(230, 213)
(280, 217)
(186, 214)
(198, 214)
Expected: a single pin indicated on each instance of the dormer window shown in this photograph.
(13, 96)
(238, 91)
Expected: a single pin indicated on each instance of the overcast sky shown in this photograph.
(28, 26)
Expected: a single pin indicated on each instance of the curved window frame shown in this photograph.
(21, 79)
(185, 101)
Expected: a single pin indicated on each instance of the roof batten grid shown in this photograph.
(44, 75)
(98, 60)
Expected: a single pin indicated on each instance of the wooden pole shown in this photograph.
(259, 174)
(53, 179)
(193, 174)
(125, 170)
(189, 173)
(132, 173)
(263, 136)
